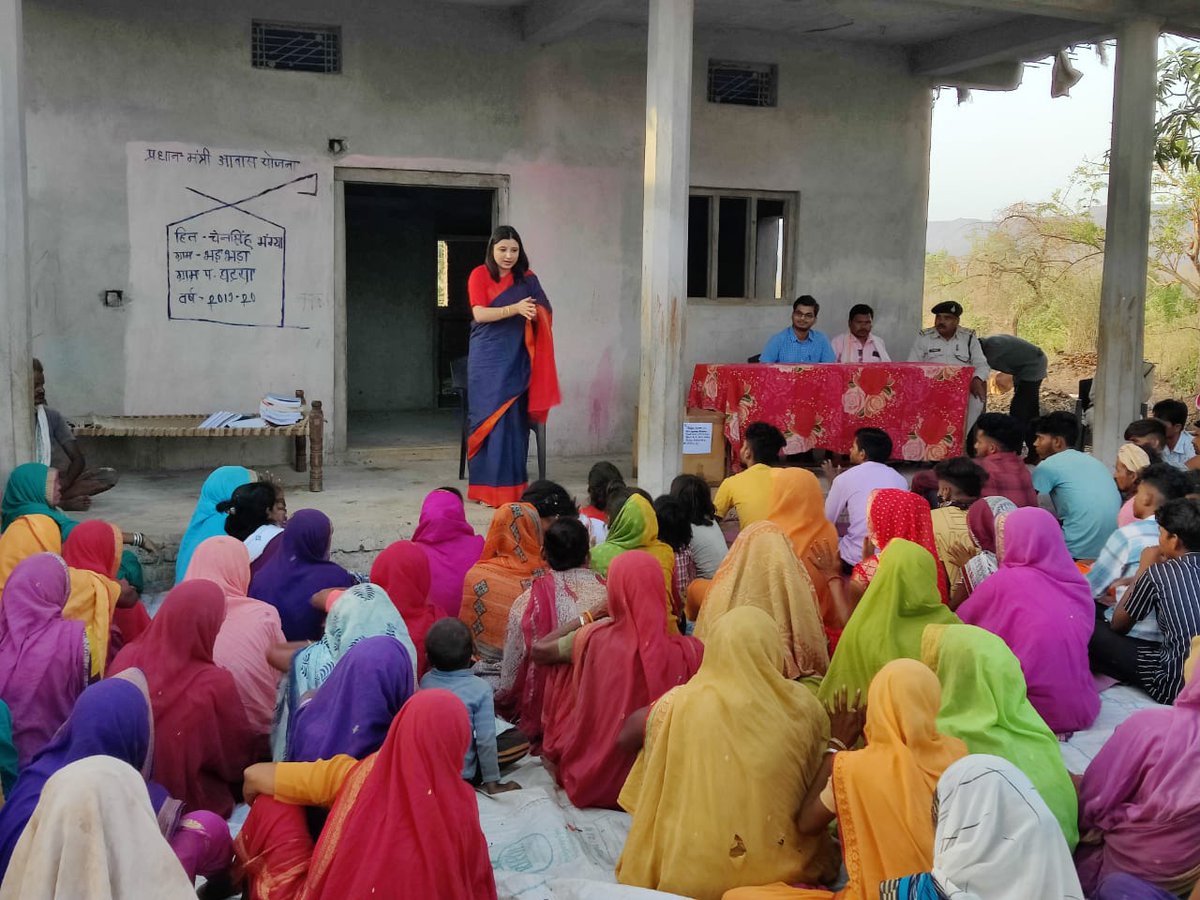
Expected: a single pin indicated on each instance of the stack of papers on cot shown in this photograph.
(220, 419)
(277, 410)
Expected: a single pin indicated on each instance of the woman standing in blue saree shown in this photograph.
(511, 376)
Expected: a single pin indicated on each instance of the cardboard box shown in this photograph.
(706, 434)
(705, 450)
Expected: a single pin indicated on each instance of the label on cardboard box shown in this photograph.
(697, 437)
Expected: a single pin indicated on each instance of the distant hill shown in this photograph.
(955, 236)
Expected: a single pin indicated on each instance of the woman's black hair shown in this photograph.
(600, 477)
(566, 544)
(550, 498)
(506, 233)
(248, 509)
(696, 496)
(674, 529)
(450, 490)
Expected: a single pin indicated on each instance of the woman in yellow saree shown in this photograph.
(762, 571)
(882, 794)
(726, 761)
(26, 536)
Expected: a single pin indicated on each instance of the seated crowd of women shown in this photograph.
(774, 728)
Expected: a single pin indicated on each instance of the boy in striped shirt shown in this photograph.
(1171, 590)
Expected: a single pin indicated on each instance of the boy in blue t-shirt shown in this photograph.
(450, 648)
(1085, 497)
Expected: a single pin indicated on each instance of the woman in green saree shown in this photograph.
(887, 624)
(984, 704)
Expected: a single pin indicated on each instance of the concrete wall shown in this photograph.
(447, 87)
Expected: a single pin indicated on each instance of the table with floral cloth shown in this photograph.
(922, 406)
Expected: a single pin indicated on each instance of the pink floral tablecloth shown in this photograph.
(922, 406)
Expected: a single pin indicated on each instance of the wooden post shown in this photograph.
(316, 439)
(301, 449)
(16, 367)
(1118, 386)
(664, 242)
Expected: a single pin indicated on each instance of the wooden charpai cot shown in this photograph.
(308, 434)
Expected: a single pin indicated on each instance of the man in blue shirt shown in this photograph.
(1081, 488)
(801, 343)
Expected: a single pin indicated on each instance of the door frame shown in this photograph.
(497, 184)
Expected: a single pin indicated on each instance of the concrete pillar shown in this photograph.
(16, 400)
(1119, 373)
(664, 242)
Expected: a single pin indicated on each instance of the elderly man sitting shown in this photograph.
(56, 446)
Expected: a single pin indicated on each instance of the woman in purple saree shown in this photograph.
(511, 377)
(1139, 801)
(44, 661)
(351, 712)
(300, 569)
(113, 718)
(1042, 607)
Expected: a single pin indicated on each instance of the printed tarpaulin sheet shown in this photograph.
(922, 406)
(543, 848)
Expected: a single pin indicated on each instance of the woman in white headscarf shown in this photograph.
(94, 836)
(996, 840)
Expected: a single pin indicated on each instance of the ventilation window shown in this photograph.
(296, 48)
(742, 83)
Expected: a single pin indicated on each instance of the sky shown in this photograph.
(1001, 147)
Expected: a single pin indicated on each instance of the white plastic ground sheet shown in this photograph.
(1117, 704)
(543, 848)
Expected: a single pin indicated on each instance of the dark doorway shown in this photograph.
(409, 252)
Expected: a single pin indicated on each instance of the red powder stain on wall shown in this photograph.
(602, 398)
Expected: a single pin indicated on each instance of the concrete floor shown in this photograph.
(412, 428)
(370, 506)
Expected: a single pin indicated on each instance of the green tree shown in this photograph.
(1177, 130)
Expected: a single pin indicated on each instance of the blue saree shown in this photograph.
(511, 381)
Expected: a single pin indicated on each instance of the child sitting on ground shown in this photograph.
(449, 648)
(602, 477)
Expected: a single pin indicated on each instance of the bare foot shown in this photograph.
(499, 787)
(76, 504)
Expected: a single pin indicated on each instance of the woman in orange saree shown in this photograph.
(511, 560)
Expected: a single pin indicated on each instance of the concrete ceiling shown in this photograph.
(875, 21)
(945, 38)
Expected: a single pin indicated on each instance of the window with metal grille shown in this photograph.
(296, 48)
(742, 83)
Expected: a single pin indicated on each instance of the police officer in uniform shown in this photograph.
(951, 345)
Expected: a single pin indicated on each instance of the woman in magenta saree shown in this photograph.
(1139, 801)
(1042, 607)
(511, 377)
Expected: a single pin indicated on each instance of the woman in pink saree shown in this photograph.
(1042, 607)
(451, 544)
